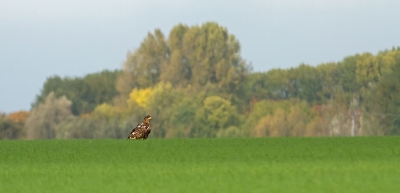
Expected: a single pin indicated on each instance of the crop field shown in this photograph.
(361, 164)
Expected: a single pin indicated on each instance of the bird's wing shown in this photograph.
(140, 126)
(137, 127)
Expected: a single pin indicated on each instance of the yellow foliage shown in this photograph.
(140, 96)
(316, 127)
(104, 109)
(162, 87)
(311, 128)
(370, 68)
(162, 95)
(278, 124)
(262, 128)
(272, 125)
(297, 121)
(85, 115)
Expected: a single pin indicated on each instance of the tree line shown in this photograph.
(195, 83)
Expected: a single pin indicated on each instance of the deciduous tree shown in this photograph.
(43, 120)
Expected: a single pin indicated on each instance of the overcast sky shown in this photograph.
(41, 38)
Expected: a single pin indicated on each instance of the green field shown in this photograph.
(364, 164)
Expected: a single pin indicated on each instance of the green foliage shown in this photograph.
(10, 129)
(198, 165)
(230, 132)
(215, 114)
(305, 83)
(181, 119)
(370, 68)
(395, 127)
(277, 83)
(256, 87)
(197, 55)
(194, 83)
(348, 79)
(161, 103)
(383, 100)
(329, 76)
(85, 93)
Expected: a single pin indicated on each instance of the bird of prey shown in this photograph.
(142, 130)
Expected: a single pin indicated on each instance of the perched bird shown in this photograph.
(142, 130)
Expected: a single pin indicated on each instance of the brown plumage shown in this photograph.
(142, 130)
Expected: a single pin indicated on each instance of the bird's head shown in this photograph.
(147, 119)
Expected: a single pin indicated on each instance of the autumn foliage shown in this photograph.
(194, 83)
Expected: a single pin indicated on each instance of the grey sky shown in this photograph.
(42, 38)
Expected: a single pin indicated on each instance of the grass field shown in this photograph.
(365, 164)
